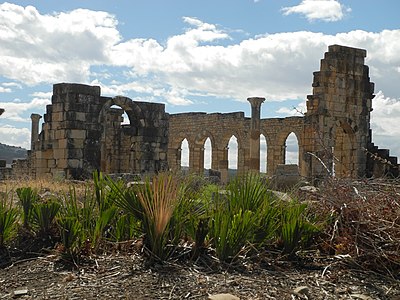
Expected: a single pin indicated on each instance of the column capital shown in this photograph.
(35, 117)
(256, 101)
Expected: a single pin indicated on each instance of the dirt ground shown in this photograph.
(128, 277)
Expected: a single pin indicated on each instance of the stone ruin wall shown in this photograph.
(334, 136)
(82, 131)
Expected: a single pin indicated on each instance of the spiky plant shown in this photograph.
(71, 235)
(296, 228)
(245, 213)
(43, 215)
(27, 197)
(158, 199)
(8, 221)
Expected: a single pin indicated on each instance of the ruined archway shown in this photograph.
(263, 154)
(292, 149)
(120, 150)
(207, 154)
(233, 156)
(184, 155)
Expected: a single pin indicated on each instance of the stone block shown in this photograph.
(75, 163)
(76, 134)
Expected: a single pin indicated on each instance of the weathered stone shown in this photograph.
(223, 297)
(82, 131)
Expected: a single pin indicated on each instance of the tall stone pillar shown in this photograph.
(254, 161)
(34, 129)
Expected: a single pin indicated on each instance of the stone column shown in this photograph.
(34, 129)
(254, 161)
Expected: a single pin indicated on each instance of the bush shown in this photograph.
(244, 214)
(8, 221)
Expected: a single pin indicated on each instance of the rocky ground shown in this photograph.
(126, 276)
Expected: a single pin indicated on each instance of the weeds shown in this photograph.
(43, 215)
(8, 218)
(241, 215)
(27, 197)
(295, 229)
(358, 219)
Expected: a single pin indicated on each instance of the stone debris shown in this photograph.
(20, 292)
(223, 297)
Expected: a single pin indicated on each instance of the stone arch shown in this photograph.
(183, 154)
(241, 149)
(133, 110)
(175, 150)
(120, 149)
(291, 160)
(278, 150)
(198, 150)
(263, 153)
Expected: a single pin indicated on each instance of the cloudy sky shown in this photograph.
(193, 55)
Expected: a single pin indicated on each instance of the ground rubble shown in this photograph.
(130, 277)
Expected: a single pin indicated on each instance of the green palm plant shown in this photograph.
(296, 229)
(245, 213)
(43, 216)
(153, 203)
(27, 197)
(126, 227)
(71, 236)
(8, 221)
(158, 199)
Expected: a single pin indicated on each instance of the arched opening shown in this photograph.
(292, 149)
(116, 146)
(207, 154)
(263, 154)
(232, 156)
(185, 155)
(120, 149)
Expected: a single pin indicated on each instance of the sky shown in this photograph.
(207, 56)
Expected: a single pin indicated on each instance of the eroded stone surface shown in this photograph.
(83, 131)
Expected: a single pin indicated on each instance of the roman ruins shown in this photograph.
(83, 131)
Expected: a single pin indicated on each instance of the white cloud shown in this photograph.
(19, 137)
(5, 90)
(52, 48)
(385, 123)
(325, 10)
(14, 111)
(299, 110)
(36, 48)
(42, 95)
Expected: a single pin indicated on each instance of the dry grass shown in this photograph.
(41, 186)
(364, 223)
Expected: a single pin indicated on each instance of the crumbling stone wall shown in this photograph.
(334, 136)
(82, 132)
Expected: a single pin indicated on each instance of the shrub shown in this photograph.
(296, 228)
(43, 215)
(27, 197)
(244, 214)
(8, 221)
(153, 203)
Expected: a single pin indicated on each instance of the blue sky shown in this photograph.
(193, 55)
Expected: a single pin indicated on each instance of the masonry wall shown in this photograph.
(334, 136)
(82, 132)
